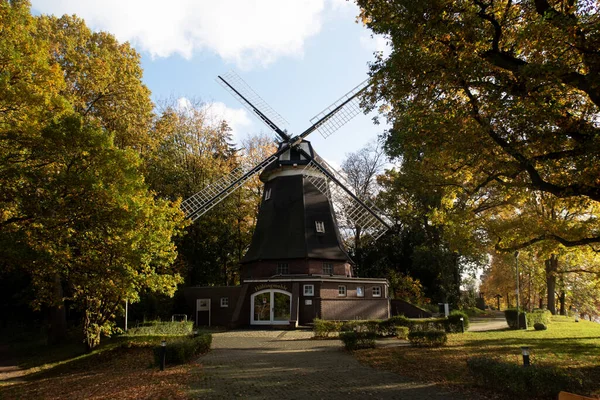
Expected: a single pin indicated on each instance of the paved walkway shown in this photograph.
(290, 365)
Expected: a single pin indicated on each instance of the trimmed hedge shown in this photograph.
(358, 340)
(428, 338)
(539, 317)
(391, 327)
(402, 332)
(453, 323)
(182, 350)
(324, 328)
(532, 381)
(511, 318)
(162, 328)
(538, 326)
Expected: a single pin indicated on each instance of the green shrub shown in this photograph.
(532, 381)
(428, 338)
(399, 320)
(401, 332)
(162, 328)
(182, 350)
(454, 324)
(358, 340)
(323, 328)
(511, 318)
(539, 316)
(427, 324)
(538, 326)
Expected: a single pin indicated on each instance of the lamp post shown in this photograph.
(462, 324)
(517, 292)
(525, 353)
(163, 354)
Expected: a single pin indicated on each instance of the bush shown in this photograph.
(511, 318)
(428, 338)
(401, 332)
(539, 316)
(538, 326)
(182, 350)
(323, 328)
(532, 381)
(358, 340)
(454, 324)
(162, 328)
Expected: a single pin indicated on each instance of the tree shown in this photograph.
(494, 99)
(195, 151)
(92, 224)
(361, 169)
(76, 217)
(103, 79)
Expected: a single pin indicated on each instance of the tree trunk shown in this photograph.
(551, 269)
(561, 299)
(57, 316)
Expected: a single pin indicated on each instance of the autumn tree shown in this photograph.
(103, 79)
(195, 151)
(76, 215)
(494, 98)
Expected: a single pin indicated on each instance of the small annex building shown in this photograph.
(296, 268)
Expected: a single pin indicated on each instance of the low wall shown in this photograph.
(350, 309)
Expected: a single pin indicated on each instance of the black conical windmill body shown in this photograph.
(305, 202)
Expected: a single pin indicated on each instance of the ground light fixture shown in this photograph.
(525, 353)
(163, 354)
(462, 324)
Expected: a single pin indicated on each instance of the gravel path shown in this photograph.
(290, 365)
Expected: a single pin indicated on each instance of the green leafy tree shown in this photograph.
(103, 79)
(93, 225)
(494, 100)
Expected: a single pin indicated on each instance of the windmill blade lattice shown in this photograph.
(197, 205)
(349, 212)
(339, 113)
(251, 100)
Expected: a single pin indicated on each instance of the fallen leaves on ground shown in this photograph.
(121, 373)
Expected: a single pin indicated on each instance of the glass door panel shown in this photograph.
(262, 307)
(281, 307)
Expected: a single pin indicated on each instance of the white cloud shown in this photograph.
(376, 43)
(237, 118)
(240, 31)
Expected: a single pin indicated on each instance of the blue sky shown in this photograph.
(298, 55)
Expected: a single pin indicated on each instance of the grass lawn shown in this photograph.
(572, 346)
(111, 371)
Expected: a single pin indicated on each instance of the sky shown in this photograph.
(298, 55)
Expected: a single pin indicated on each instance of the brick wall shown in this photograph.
(357, 308)
(329, 290)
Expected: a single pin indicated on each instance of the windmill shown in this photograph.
(350, 209)
(306, 206)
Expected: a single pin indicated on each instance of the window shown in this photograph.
(282, 269)
(267, 194)
(360, 291)
(224, 301)
(327, 268)
(309, 290)
(320, 225)
(341, 290)
(376, 291)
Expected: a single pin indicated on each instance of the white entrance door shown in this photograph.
(271, 307)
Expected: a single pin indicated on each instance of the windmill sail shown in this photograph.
(340, 112)
(213, 194)
(253, 102)
(351, 211)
